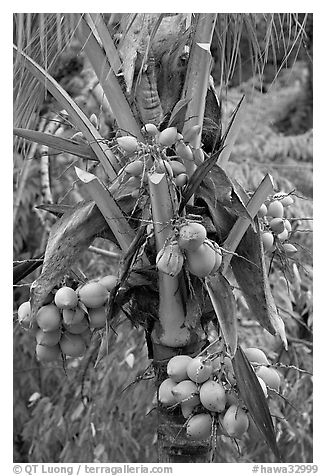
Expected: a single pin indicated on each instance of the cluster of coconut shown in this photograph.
(203, 387)
(276, 227)
(190, 246)
(141, 160)
(63, 325)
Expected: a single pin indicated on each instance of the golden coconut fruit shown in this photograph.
(268, 240)
(169, 259)
(256, 356)
(93, 295)
(199, 370)
(186, 391)
(202, 261)
(128, 143)
(199, 427)
(275, 209)
(97, 317)
(177, 367)
(49, 339)
(72, 316)
(48, 318)
(270, 376)
(77, 328)
(235, 421)
(191, 236)
(135, 168)
(212, 396)
(168, 136)
(109, 281)
(165, 395)
(66, 298)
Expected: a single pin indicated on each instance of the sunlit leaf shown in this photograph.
(59, 143)
(110, 210)
(253, 397)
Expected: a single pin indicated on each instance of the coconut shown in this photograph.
(66, 298)
(48, 318)
(199, 427)
(212, 396)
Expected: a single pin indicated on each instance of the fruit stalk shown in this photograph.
(169, 336)
(170, 331)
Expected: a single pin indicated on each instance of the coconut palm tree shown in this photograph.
(154, 75)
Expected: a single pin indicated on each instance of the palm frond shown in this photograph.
(43, 37)
(35, 34)
(231, 28)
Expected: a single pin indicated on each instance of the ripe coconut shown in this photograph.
(186, 391)
(128, 143)
(184, 151)
(165, 395)
(177, 367)
(48, 318)
(97, 317)
(25, 317)
(109, 281)
(177, 167)
(170, 259)
(270, 376)
(181, 180)
(78, 328)
(199, 427)
(191, 236)
(135, 168)
(256, 356)
(150, 129)
(66, 298)
(191, 134)
(289, 249)
(202, 261)
(50, 338)
(235, 421)
(287, 201)
(262, 211)
(284, 235)
(275, 209)
(93, 295)
(268, 240)
(72, 316)
(277, 225)
(199, 370)
(188, 407)
(212, 396)
(168, 136)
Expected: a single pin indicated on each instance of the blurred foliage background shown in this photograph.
(79, 414)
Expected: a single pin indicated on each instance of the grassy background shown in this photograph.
(85, 415)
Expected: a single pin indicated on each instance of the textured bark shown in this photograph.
(173, 444)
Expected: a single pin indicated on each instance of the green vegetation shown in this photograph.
(101, 407)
